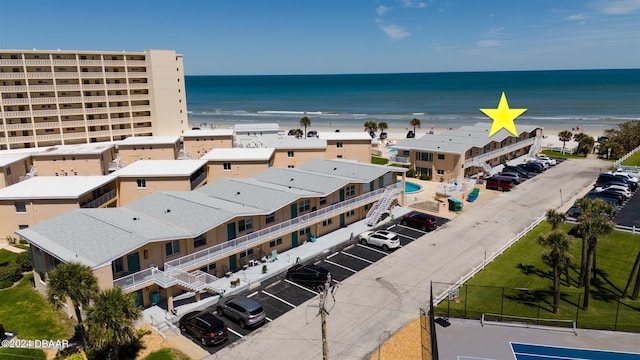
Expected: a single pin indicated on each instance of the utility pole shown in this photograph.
(323, 318)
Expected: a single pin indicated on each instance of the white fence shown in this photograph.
(628, 155)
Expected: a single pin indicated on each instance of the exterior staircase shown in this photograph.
(382, 205)
(195, 281)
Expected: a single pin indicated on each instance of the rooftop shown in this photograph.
(76, 149)
(208, 132)
(160, 168)
(271, 127)
(149, 140)
(7, 158)
(346, 135)
(66, 187)
(293, 143)
(239, 154)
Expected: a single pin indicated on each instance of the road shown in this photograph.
(387, 295)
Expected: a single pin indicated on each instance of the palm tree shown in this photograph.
(305, 121)
(555, 218)
(111, 321)
(564, 136)
(74, 281)
(382, 126)
(415, 122)
(298, 133)
(370, 126)
(559, 258)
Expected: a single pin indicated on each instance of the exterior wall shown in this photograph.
(70, 97)
(239, 169)
(36, 212)
(10, 174)
(72, 165)
(129, 191)
(132, 153)
(300, 156)
(104, 276)
(196, 147)
(359, 150)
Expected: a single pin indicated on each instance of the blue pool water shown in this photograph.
(410, 188)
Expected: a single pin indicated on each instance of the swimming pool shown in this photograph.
(410, 188)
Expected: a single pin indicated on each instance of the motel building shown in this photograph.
(170, 242)
(466, 151)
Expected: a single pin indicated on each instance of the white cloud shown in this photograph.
(577, 17)
(412, 4)
(381, 10)
(489, 43)
(395, 32)
(619, 7)
(493, 32)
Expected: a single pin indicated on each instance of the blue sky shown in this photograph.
(225, 37)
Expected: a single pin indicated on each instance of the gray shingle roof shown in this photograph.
(302, 180)
(357, 171)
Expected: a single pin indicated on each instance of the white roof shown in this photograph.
(54, 187)
(208, 132)
(256, 127)
(149, 140)
(8, 158)
(239, 154)
(347, 135)
(76, 149)
(293, 143)
(160, 168)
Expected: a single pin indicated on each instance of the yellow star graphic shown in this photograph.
(503, 117)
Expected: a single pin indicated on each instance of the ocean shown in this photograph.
(590, 99)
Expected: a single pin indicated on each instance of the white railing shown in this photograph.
(382, 205)
(476, 269)
(100, 200)
(404, 160)
(478, 160)
(628, 155)
(203, 257)
(198, 180)
(144, 278)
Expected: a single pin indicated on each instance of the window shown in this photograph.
(117, 266)
(244, 225)
(423, 170)
(200, 240)
(142, 183)
(339, 145)
(305, 231)
(290, 154)
(210, 267)
(440, 172)
(327, 222)
(21, 207)
(323, 201)
(276, 242)
(304, 205)
(20, 227)
(8, 171)
(424, 156)
(270, 218)
(440, 156)
(53, 262)
(290, 166)
(350, 213)
(172, 247)
(351, 190)
(226, 166)
(246, 253)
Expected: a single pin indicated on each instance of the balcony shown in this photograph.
(198, 180)
(101, 200)
(144, 278)
(402, 160)
(481, 159)
(75, 135)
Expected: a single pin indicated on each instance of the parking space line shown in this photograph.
(332, 255)
(410, 228)
(268, 319)
(252, 294)
(300, 286)
(279, 299)
(341, 266)
(235, 333)
(373, 249)
(357, 257)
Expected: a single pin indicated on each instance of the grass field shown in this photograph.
(558, 154)
(633, 160)
(7, 256)
(376, 160)
(26, 312)
(519, 283)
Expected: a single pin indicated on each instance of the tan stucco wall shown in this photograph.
(104, 277)
(37, 211)
(169, 102)
(17, 169)
(300, 156)
(196, 147)
(359, 150)
(83, 165)
(239, 169)
(131, 153)
(128, 187)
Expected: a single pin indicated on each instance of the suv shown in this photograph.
(533, 167)
(411, 134)
(244, 311)
(420, 221)
(515, 177)
(499, 183)
(383, 135)
(204, 326)
(312, 276)
(516, 169)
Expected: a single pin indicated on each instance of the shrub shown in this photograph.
(425, 177)
(411, 173)
(23, 261)
(11, 272)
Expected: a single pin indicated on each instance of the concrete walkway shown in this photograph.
(388, 294)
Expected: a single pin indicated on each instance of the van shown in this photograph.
(499, 183)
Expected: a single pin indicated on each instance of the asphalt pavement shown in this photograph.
(386, 295)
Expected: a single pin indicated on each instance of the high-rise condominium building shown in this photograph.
(59, 97)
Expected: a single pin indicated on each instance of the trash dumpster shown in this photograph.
(473, 195)
(455, 204)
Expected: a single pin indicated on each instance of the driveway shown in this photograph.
(385, 296)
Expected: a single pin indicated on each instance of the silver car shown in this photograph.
(246, 312)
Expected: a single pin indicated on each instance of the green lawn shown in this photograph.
(7, 256)
(633, 160)
(17, 353)
(559, 154)
(166, 354)
(25, 311)
(376, 160)
(519, 283)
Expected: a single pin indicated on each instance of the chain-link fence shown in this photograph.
(536, 305)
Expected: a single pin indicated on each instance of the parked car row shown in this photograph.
(513, 175)
(615, 187)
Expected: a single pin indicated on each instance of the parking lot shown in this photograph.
(278, 295)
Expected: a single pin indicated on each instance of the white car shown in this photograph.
(385, 239)
(624, 175)
(546, 159)
(617, 188)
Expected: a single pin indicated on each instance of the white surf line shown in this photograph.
(332, 255)
(252, 294)
(235, 332)
(357, 257)
(279, 299)
(373, 249)
(300, 286)
(341, 266)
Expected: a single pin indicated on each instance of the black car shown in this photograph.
(205, 327)
(312, 133)
(533, 167)
(420, 221)
(383, 135)
(411, 134)
(611, 179)
(312, 276)
(516, 169)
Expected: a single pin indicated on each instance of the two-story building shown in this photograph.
(237, 162)
(90, 159)
(196, 143)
